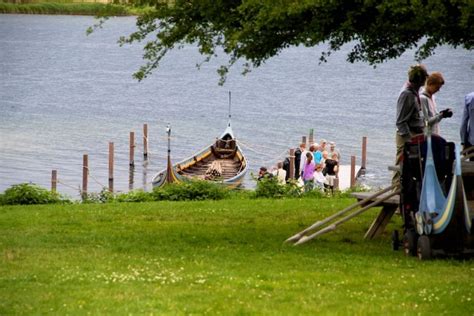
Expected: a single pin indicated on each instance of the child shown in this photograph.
(308, 173)
(331, 171)
(319, 178)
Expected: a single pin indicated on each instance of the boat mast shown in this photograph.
(230, 115)
(169, 167)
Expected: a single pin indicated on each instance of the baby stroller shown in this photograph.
(433, 204)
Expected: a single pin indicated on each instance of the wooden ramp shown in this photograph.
(389, 206)
(332, 222)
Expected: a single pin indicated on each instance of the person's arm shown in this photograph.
(405, 106)
(425, 108)
(464, 123)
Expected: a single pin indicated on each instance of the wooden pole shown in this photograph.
(292, 164)
(364, 152)
(311, 136)
(131, 175)
(303, 139)
(111, 167)
(54, 180)
(85, 173)
(132, 149)
(353, 163)
(145, 141)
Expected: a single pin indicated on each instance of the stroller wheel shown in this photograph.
(424, 248)
(409, 243)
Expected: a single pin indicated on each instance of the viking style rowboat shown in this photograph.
(221, 162)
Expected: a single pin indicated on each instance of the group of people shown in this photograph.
(417, 109)
(316, 167)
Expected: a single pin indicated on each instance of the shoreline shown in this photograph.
(78, 9)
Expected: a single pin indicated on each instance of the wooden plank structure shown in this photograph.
(389, 206)
(372, 200)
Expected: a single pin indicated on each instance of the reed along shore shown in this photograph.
(94, 9)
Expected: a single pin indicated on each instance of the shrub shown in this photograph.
(270, 188)
(104, 196)
(135, 196)
(26, 193)
(191, 190)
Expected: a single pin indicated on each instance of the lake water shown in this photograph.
(64, 94)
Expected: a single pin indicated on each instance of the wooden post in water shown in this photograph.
(303, 139)
(292, 164)
(85, 173)
(364, 153)
(54, 180)
(311, 136)
(111, 167)
(132, 149)
(353, 164)
(145, 142)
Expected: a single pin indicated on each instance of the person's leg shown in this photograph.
(400, 143)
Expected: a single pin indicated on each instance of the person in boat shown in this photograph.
(308, 172)
(332, 168)
(280, 173)
(408, 121)
(434, 82)
(467, 123)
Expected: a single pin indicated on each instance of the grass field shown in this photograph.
(214, 257)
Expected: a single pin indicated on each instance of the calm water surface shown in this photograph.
(64, 94)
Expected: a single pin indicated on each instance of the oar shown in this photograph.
(296, 237)
(345, 219)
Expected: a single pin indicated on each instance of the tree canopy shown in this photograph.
(256, 30)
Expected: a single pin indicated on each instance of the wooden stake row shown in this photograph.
(85, 164)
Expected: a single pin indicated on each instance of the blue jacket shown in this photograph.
(467, 123)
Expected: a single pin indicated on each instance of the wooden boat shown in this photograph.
(222, 161)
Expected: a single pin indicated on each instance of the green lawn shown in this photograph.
(214, 257)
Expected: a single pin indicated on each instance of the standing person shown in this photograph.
(331, 171)
(409, 121)
(298, 158)
(318, 154)
(434, 82)
(323, 161)
(280, 173)
(467, 123)
(286, 167)
(308, 172)
(304, 154)
(322, 145)
(333, 149)
(319, 178)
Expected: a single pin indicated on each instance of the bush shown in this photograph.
(270, 188)
(191, 190)
(135, 196)
(26, 193)
(104, 196)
